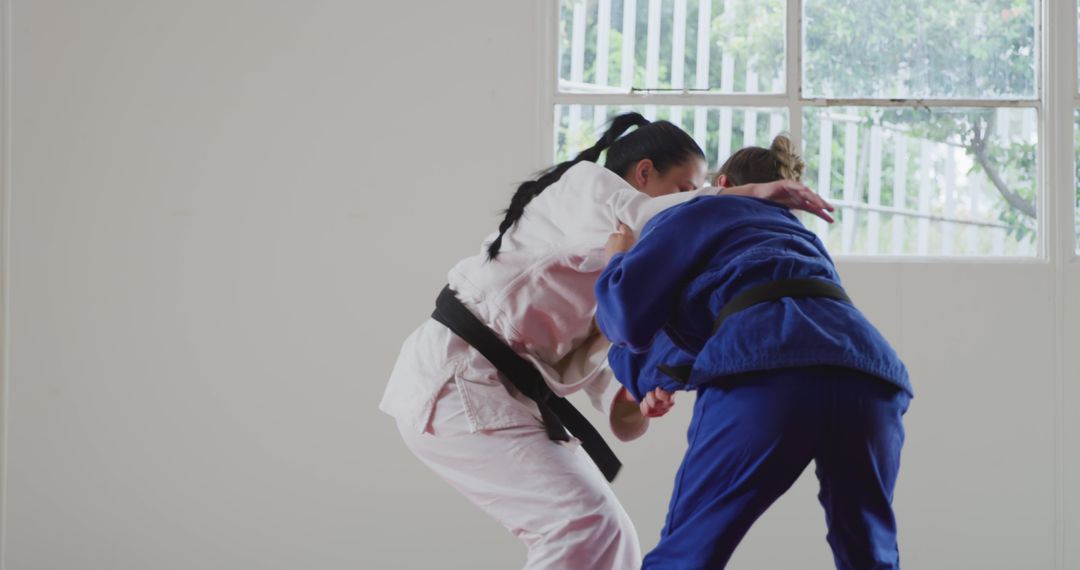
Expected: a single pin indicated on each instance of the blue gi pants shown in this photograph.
(751, 437)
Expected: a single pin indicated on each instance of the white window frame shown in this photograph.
(1056, 97)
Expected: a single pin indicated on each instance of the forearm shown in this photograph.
(627, 421)
(751, 190)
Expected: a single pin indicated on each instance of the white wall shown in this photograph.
(1070, 444)
(227, 214)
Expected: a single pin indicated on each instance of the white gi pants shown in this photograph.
(548, 494)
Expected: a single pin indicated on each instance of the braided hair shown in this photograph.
(662, 142)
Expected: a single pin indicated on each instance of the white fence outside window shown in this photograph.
(910, 177)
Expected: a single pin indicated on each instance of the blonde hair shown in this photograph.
(754, 164)
(789, 164)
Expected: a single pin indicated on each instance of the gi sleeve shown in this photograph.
(635, 208)
(641, 373)
(638, 290)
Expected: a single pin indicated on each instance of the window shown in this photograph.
(918, 119)
(718, 130)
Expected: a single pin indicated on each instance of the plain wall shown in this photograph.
(226, 215)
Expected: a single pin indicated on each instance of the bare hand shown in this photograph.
(795, 196)
(657, 403)
(619, 242)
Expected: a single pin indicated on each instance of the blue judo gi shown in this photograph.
(779, 384)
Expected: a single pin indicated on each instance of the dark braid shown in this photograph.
(532, 188)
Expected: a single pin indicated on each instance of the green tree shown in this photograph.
(908, 49)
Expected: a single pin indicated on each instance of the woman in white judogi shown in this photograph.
(533, 286)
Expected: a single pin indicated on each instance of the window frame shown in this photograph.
(1057, 96)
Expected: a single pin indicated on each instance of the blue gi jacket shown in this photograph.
(693, 258)
(640, 372)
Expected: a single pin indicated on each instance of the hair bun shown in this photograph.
(791, 166)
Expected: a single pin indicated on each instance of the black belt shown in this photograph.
(558, 414)
(763, 293)
(776, 290)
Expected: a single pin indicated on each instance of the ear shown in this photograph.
(722, 181)
(642, 171)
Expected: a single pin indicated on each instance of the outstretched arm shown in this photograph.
(790, 193)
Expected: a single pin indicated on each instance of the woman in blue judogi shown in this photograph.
(734, 298)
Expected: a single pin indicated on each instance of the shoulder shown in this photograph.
(588, 172)
(691, 211)
(592, 180)
(716, 209)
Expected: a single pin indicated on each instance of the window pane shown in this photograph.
(718, 130)
(982, 49)
(954, 182)
(727, 46)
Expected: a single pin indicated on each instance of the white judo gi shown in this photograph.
(475, 430)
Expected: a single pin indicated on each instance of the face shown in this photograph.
(689, 175)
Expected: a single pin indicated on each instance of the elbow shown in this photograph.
(622, 331)
(610, 306)
(638, 344)
(620, 324)
(611, 325)
(626, 368)
(617, 315)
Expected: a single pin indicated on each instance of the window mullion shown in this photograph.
(687, 97)
(1058, 85)
(692, 97)
(793, 87)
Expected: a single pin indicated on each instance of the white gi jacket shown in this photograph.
(537, 295)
